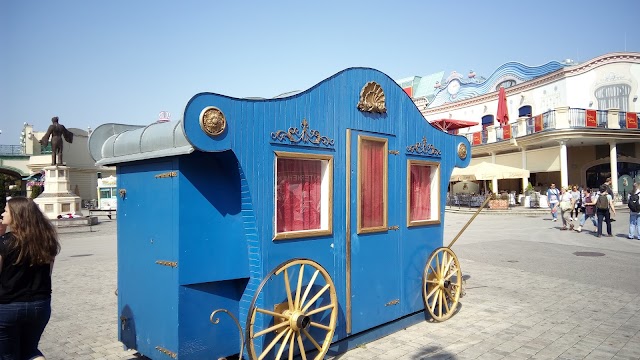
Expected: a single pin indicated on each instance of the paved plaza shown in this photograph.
(529, 294)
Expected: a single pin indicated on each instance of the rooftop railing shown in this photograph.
(560, 118)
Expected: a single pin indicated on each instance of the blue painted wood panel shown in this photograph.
(216, 216)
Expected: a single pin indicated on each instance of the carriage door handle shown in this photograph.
(394, 227)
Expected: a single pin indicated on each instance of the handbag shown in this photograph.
(565, 205)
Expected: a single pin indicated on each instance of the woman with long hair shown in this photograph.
(27, 253)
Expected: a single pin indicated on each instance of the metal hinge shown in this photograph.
(167, 263)
(167, 174)
(167, 352)
(394, 152)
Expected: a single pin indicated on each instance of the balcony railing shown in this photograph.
(562, 118)
(11, 150)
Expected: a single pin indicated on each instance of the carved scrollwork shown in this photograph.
(212, 121)
(372, 98)
(462, 151)
(423, 148)
(295, 136)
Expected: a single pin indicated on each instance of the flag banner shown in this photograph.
(538, 123)
(591, 118)
(477, 138)
(632, 120)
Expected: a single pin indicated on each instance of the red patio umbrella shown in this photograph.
(452, 124)
(503, 113)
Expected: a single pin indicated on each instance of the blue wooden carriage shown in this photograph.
(312, 218)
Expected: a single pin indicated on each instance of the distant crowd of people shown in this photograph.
(579, 204)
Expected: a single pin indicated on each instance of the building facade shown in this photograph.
(568, 123)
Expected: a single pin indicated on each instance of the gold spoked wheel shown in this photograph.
(301, 319)
(441, 283)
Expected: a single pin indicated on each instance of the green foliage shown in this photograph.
(36, 190)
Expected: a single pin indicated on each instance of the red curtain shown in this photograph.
(371, 183)
(298, 194)
(420, 202)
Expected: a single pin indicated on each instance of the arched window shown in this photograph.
(505, 84)
(613, 97)
(487, 120)
(597, 174)
(524, 111)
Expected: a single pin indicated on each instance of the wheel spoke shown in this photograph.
(433, 282)
(316, 297)
(291, 343)
(448, 264)
(432, 307)
(299, 287)
(438, 264)
(274, 314)
(453, 272)
(309, 286)
(284, 343)
(432, 291)
(318, 325)
(444, 259)
(445, 301)
(303, 354)
(432, 269)
(288, 287)
(313, 341)
(273, 328)
(440, 303)
(320, 309)
(272, 344)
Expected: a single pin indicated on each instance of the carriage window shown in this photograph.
(372, 184)
(303, 198)
(423, 193)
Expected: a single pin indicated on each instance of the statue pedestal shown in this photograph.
(57, 198)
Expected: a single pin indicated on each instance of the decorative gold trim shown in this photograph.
(167, 174)
(212, 121)
(372, 98)
(424, 148)
(462, 151)
(329, 170)
(167, 352)
(306, 136)
(167, 263)
(435, 192)
(348, 231)
(385, 186)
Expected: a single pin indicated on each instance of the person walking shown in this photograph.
(589, 210)
(634, 211)
(604, 208)
(566, 206)
(575, 194)
(553, 197)
(27, 253)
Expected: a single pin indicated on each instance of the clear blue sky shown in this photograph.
(124, 61)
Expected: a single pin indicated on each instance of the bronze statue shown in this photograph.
(57, 132)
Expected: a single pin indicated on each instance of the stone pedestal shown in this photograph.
(57, 198)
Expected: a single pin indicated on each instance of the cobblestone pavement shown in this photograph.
(527, 296)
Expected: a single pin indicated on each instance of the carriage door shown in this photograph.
(374, 248)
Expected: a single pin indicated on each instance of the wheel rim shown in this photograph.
(441, 284)
(306, 319)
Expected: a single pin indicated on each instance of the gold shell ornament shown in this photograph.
(372, 98)
(212, 121)
(462, 151)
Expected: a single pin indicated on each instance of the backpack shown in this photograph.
(602, 203)
(634, 203)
